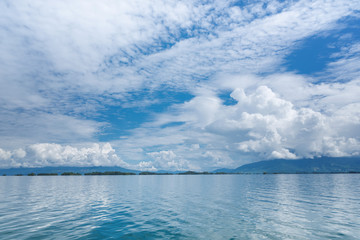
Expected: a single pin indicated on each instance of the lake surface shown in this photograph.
(181, 207)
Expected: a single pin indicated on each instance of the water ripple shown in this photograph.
(181, 207)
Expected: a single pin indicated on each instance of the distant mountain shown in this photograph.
(166, 171)
(59, 170)
(224, 170)
(316, 165)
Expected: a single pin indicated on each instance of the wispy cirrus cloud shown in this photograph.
(112, 46)
(347, 65)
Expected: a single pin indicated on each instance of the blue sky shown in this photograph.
(172, 85)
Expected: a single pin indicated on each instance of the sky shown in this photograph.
(177, 85)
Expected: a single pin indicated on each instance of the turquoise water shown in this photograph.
(181, 207)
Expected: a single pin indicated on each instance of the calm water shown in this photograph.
(181, 207)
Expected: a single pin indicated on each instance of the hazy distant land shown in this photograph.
(276, 166)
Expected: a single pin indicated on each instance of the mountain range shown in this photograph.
(316, 165)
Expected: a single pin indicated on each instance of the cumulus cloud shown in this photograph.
(11, 158)
(50, 154)
(19, 153)
(262, 124)
(167, 160)
(5, 155)
(278, 129)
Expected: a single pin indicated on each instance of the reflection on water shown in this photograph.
(181, 207)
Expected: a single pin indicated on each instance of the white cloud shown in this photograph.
(63, 61)
(301, 91)
(113, 46)
(275, 126)
(341, 146)
(5, 155)
(248, 46)
(347, 65)
(146, 166)
(19, 153)
(217, 158)
(51, 154)
(168, 160)
(80, 40)
(263, 124)
(96, 155)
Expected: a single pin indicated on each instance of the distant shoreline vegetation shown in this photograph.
(112, 173)
(155, 173)
(109, 173)
(70, 174)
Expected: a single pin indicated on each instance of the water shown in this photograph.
(181, 207)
